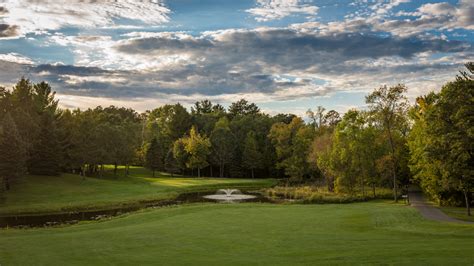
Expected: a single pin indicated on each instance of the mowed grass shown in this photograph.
(458, 213)
(379, 233)
(68, 192)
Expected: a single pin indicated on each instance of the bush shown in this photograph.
(315, 194)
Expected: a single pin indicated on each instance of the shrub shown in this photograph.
(316, 194)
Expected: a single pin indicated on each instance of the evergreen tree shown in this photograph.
(242, 108)
(12, 152)
(153, 159)
(45, 157)
(252, 158)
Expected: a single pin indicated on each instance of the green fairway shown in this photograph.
(40, 194)
(457, 212)
(359, 233)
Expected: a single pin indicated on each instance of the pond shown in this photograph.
(44, 220)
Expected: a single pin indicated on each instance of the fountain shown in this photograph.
(229, 195)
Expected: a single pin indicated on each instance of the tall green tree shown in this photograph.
(171, 164)
(46, 154)
(445, 123)
(242, 107)
(12, 152)
(320, 155)
(167, 123)
(222, 143)
(292, 145)
(252, 157)
(153, 157)
(24, 111)
(180, 153)
(198, 148)
(390, 106)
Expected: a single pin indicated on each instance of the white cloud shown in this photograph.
(263, 64)
(39, 15)
(267, 10)
(428, 17)
(16, 58)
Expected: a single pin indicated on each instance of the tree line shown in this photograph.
(386, 144)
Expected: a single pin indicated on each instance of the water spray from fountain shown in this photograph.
(229, 195)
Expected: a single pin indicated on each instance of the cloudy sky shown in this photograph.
(285, 55)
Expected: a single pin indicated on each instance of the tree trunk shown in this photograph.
(395, 191)
(211, 170)
(83, 172)
(253, 174)
(199, 171)
(363, 188)
(221, 170)
(127, 170)
(101, 171)
(115, 169)
(468, 205)
(326, 177)
(153, 172)
(373, 188)
(373, 178)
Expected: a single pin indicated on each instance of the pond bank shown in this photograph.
(72, 217)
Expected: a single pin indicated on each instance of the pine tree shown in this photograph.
(153, 158)
(46, 154)
(12, 152)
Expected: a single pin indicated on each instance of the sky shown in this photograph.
(286, 56)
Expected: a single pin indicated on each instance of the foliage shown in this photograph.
(45, 156)
(442, 140)
(171, 164)
(242, 108)
(198, 147)
(315, 194)
(222, 141)
(12, 152)
(153, 157)
(389, 107)
(350, 152)
(252, 158)
(292, 147)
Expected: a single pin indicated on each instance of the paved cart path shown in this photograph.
(429, 211)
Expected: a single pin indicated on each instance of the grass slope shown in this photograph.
(458, 213)
(40, 194)
(248, 234)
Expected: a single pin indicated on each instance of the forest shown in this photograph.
(390, 143)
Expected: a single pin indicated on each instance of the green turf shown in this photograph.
(40, 194)
(458, 213)
(248, 234)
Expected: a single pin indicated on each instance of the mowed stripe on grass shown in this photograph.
(243, 234)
